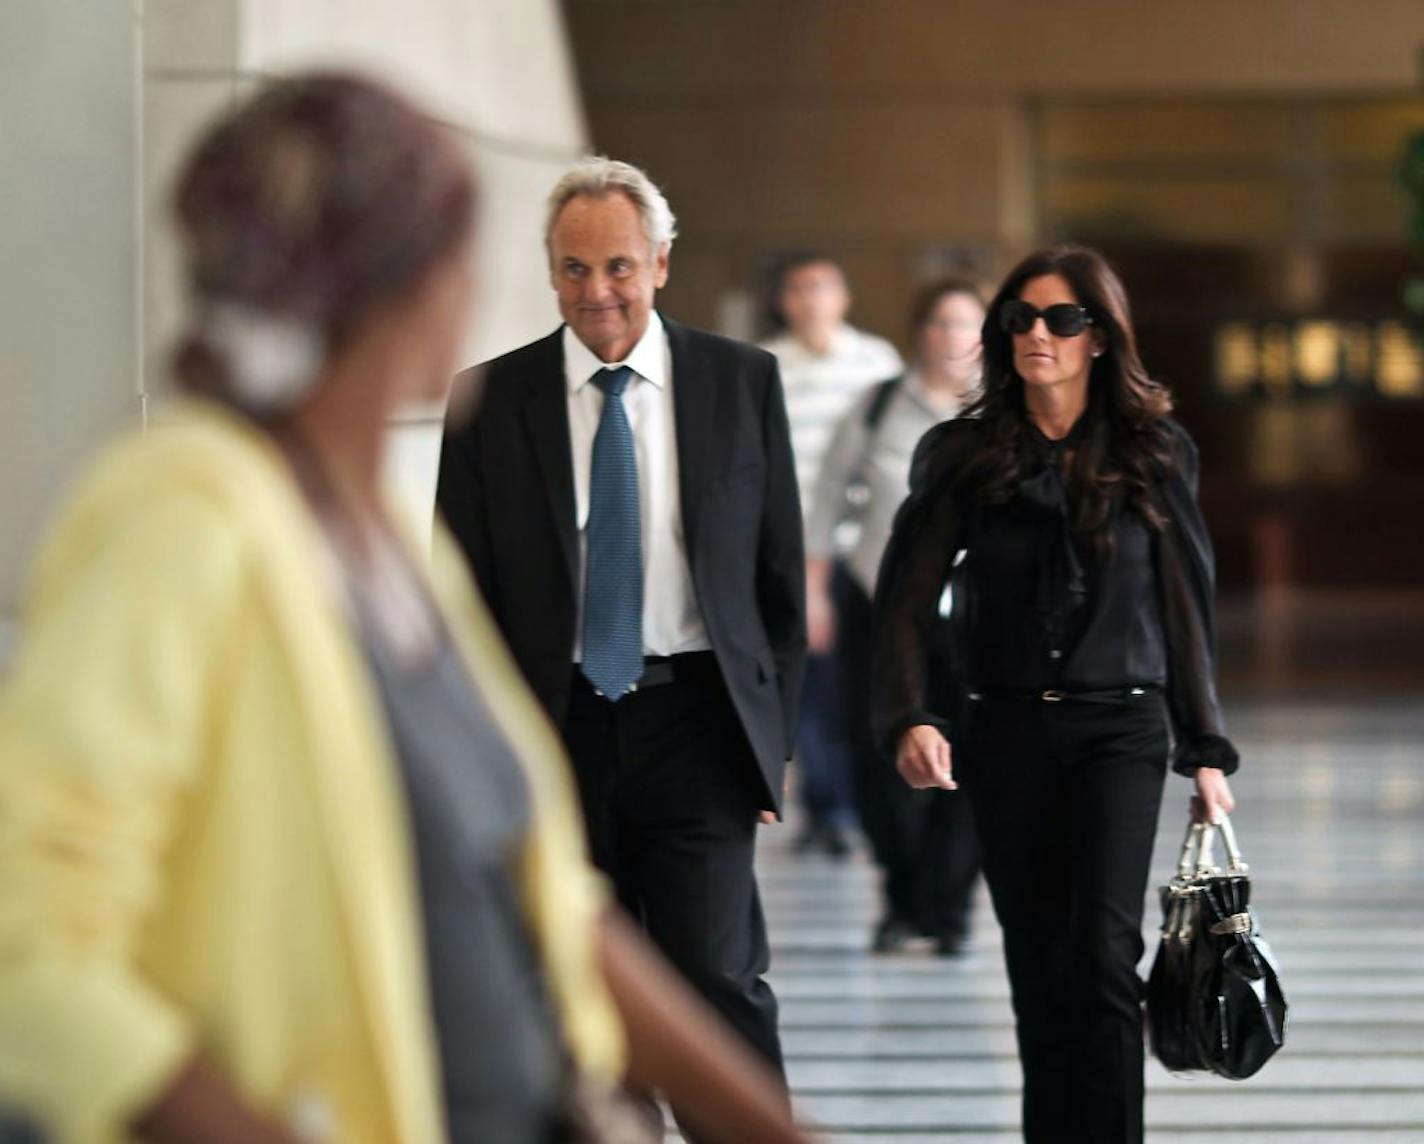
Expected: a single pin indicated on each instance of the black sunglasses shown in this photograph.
(1065, 320)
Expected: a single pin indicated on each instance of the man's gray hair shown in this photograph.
(599, 176)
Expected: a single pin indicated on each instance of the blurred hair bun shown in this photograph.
(317, 200)
(265, 362)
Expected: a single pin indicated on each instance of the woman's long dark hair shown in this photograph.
(1125, 446)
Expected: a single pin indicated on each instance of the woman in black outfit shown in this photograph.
(1068, 496)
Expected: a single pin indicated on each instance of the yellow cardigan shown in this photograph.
(203, 838)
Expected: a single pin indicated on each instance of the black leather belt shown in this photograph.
(1113, 696)
(659, 670)
(685, 667)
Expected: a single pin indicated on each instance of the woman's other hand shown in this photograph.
(1213, 798)
(820, 623)
(820, 607)
(923, 759)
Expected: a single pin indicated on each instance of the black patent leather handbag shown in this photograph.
(1214, 997)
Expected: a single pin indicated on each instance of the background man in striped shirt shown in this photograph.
(826, 363)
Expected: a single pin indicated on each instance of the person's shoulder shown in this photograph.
(873, 345)
(541, 354)
(1183, 448)
(198, 446)
(874, 400)
(952, 437)
(779, 345)
(717, 348)
(945, 447)
(180, 499)
(501, 383)
(1177, 434)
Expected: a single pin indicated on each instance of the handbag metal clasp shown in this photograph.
(1236, 923)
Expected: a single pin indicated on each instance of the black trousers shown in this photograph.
(671, 794)
(1066, 796)
(923, 841)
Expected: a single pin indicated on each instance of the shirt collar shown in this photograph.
(648, 359)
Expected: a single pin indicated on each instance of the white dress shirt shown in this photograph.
(672, 621)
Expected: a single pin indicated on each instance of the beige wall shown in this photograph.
(741, 51)
(69, 250)
(910, 135)
(100, 103)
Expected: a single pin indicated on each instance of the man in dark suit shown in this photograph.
(627, 500)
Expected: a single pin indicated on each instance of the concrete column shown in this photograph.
(70, 255)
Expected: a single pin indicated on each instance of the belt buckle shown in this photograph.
(1052, 696)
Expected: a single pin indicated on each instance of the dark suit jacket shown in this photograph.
(506, 489)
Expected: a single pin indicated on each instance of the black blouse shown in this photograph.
(1036, 607)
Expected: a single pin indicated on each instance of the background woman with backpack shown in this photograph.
(923, 841)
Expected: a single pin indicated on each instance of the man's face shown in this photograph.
(814, 299)
(605, 273)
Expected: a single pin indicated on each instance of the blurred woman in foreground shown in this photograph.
(288, 852)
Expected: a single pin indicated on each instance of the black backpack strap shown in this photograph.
(875, 411)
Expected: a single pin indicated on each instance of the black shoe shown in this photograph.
(891, 934)
(834, 842)
(808, 839)
(950, 944)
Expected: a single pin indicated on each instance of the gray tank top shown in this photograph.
(502, 1061)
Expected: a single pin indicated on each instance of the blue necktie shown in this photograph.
(613, 577)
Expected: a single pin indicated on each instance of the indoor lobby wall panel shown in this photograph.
(701, 275)
(69, 253)
(408, 42)
(190, 35)
(1375, 132)
(819, 171)
(1254, 212)
(1362, 209)
(697, 50)
(496, 66)
(1199, 132)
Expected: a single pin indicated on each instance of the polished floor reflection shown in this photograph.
(913, 1048)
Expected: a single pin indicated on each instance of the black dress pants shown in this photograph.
(671, 795)
(923, 840)
(1066, 795)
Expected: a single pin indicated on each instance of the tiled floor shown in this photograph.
(1331, 817)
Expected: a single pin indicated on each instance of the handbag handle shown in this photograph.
(1236, 864)
(1191, 845)
(1195, 860)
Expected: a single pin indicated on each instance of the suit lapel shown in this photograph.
(546, 414)
(694, 397)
